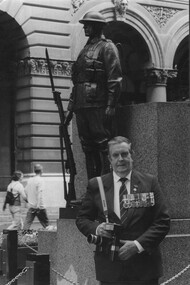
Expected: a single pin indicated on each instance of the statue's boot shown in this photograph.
(93, 164)
(105, 164)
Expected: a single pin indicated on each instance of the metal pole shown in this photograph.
(9, 247)
(39, 274)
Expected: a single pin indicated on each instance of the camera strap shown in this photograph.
(103, 198)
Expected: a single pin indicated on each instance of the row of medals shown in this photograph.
(138, 200)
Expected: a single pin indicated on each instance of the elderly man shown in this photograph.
(137, 211)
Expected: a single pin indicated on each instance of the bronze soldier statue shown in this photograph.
(96, 80)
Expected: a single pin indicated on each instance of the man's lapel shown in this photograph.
(135, 183)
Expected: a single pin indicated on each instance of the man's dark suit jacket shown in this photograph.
(147, 225)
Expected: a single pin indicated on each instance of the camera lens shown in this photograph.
(94, 239)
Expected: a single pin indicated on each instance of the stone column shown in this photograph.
(156, 83)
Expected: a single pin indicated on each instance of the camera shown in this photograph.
(97, 240)
(108, 246)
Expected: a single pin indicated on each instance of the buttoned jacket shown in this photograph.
(96, 76)
(147, 225)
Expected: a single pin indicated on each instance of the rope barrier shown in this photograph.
(76, 283)
(164, 283)
(25, 269)
(34, 250)
(64, 277)
(177, 275)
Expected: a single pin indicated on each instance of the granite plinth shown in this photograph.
(74, 253)
(175, 254)
(70, 254)
(160, 134)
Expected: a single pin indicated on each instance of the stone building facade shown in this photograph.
(152, 38)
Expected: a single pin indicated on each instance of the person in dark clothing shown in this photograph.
(96, 89)
(137, 209)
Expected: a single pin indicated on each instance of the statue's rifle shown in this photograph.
(69, 166)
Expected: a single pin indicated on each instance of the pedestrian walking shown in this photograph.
(15, 192)
(34, 193)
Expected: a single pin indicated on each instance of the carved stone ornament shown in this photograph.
(76, 4)
(39, 66)
(161, 14)
(121, 7)
(156, 76)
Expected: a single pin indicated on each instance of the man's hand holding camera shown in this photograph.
(102, 231)
(128, 248)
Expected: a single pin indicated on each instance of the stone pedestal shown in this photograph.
(175, 251)
(71, 257)
(160, 135)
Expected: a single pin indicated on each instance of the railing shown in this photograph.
(38, 265)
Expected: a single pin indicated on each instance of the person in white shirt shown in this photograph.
(17, 189)
(34, 192)
(137, 209)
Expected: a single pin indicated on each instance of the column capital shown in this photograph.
(159, 76)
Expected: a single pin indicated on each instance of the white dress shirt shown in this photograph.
(117, 185)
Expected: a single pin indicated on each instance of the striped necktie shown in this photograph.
(122, 191)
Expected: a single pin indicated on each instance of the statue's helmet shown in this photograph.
(94, 17)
